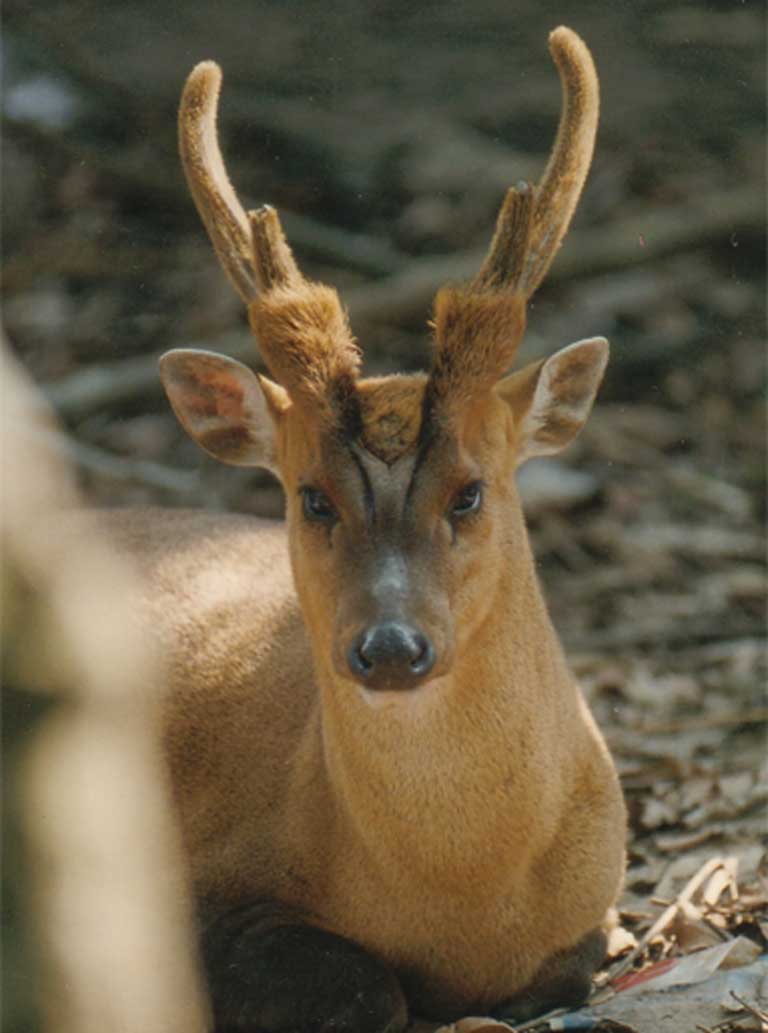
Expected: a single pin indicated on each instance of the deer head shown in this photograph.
(401, 505)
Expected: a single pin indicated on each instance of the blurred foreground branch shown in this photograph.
(105, 890)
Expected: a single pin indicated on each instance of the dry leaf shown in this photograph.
(691, 931)
(743, 952)
(657, 812)
(736, 789)
(619, 941)
(696, 791)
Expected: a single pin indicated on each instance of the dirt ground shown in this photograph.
(386, 133)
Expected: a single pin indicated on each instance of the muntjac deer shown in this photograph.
(393, 797)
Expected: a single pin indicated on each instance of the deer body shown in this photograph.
(444, 820)
(374, 738)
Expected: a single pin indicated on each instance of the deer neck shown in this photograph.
(443, 770)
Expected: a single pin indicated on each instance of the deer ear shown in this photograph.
(230, 411)
(551, 400)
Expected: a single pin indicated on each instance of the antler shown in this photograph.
(302, 329)
(478, 327)
(251, 248)
(533, 221)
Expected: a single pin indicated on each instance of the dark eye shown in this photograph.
(468, 500)
(317, 505)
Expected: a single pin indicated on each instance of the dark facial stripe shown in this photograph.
(347, 406)
(370, 501)
(426, 440)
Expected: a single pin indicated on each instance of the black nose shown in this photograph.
(391, 655)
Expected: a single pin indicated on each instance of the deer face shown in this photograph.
(401, 506)
(400, 528)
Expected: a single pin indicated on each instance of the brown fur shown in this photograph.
(477, 335)
(464, 834)
(467, 830)
(391, 412)
(305, 339)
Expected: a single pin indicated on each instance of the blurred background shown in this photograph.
(386, 134)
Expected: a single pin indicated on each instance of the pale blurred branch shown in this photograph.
(105, 889)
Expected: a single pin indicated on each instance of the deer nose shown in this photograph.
(391, 655)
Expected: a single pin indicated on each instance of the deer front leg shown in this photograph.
(270, 973)
(564, 980)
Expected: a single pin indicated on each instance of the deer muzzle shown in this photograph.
(388, 637)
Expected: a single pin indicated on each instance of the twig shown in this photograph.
(703, 722)
(668, 916)
(123, 468)
(361, 251)
(652, 632)
(407, 295)
(731, 1023)
(727, 649)
(702, 541)
(68, 254)
(111, 383)
(758, 1013)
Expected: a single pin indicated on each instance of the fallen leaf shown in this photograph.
(743, 952)
(657, 812)
(691, 931)
(736, 789)
(619, 940)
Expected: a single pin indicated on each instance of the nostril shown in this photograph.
(424, 660)
(359, 662)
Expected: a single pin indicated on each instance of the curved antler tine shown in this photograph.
(505, 261)
(301, 327)
(273, 261)
(560, 188)
(478, 328)
(207, 179)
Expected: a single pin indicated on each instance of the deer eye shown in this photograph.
(468, 500)
(317, 505)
